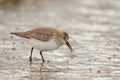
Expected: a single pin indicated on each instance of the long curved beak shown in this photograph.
(67, 43)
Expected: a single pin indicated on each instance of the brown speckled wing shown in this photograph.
(42, 34)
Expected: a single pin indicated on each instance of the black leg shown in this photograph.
(31, 53)
(42, 57)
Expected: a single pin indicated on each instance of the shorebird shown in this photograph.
(45, 39)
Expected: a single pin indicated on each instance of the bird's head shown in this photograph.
(65, 38)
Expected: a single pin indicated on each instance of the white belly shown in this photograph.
(44, 46)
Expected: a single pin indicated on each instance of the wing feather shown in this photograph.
(43, 34)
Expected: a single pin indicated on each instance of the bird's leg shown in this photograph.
(31, 53)
(42, 57)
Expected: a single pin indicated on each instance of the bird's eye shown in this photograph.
(64, 38)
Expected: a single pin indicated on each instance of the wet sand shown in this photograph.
(94, 28)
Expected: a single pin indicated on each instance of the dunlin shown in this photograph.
(45, 39)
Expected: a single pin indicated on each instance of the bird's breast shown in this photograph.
(43, 45)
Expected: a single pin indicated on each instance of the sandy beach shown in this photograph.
(94, 29)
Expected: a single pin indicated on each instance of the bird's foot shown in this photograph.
(43, 61)
(30, 59)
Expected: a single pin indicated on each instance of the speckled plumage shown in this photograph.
(46, 38)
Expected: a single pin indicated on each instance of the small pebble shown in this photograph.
(13, 48)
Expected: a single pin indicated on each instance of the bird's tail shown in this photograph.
(21, 34)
